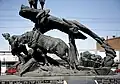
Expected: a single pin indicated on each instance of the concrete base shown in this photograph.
(13, 79)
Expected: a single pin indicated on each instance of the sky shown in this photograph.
(101, 16)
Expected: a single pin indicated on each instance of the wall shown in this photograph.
(113, 42)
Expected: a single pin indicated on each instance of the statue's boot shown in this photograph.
(44, 55)
(42, 2)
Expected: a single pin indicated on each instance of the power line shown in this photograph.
(91, 18)
(12, 20)
(18, 18)
(9, 9)
(91, 29)
(21, 20)
(96, 18)
(16, 27)
(104, 30)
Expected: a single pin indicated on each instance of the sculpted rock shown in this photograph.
(90, 60)
(36, 59)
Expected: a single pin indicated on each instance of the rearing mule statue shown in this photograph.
(47, 44)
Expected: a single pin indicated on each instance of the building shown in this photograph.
(114, 42)
(7, 60)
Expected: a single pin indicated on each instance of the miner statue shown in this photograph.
(33, 3)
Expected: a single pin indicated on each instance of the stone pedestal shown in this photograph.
(12, 79)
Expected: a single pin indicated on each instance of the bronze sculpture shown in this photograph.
(42, 44)
(17, 51)
(47, 44)
(90, 60)
(51, 22)
(33, 3)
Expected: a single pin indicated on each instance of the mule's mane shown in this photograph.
(27, 36)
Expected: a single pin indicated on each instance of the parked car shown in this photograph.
(11, 71)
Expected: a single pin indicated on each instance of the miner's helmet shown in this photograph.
(6, 35)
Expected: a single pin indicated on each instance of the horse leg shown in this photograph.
(44, 55)
(62, 52)
(21, 58)
(45, 58)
